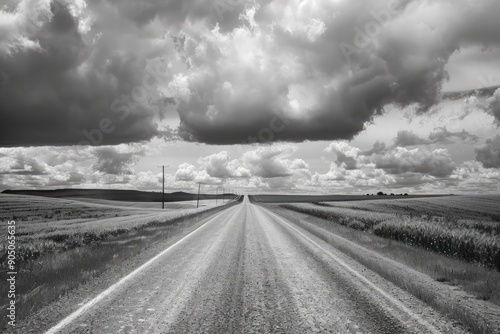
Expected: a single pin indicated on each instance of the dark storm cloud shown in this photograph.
(489, 153)
(325, 76)
(238, 71)
(65, 90)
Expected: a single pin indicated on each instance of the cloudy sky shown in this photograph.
(255, 95)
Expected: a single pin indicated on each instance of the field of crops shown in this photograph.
(439, 208)
(47, 224)
(465, 227)
(290, 198)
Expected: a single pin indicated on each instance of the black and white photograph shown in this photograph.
(250, 166)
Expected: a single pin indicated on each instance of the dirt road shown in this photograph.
(249, 271)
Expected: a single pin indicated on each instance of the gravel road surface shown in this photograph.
(248, 270)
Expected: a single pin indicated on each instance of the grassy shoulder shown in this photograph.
(75, 258)
(467, 228)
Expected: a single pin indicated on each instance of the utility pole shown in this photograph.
(198, 197)
(163, 186)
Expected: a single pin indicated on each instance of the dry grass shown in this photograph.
(462, 227)
(46, 225)
(464, 243)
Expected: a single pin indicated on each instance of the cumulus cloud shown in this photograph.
(489, 153)
(472, 176)
(326, 86)
(219, 165)
(407, 138)
(110, 160)
(273, 161)
(63, 167)
(20, 164)
(189, 173)
(346, 154)
(109, 72)
(269, 167)
(38, 167)
(185, 172)
(378, 147)
(402, 160)
(394, 166)
(367, 177)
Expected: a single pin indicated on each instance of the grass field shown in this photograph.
(325, 198)
(47, 225)
(150, 205)
(465, 227)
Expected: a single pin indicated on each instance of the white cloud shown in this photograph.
(270, 167)
(220, 166)
(400, 160)
(273, 161)
(346, 155)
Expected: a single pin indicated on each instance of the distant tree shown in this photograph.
(392, 194)
(380, 193)
(405, 194)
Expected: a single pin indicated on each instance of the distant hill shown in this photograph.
(115, 195)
